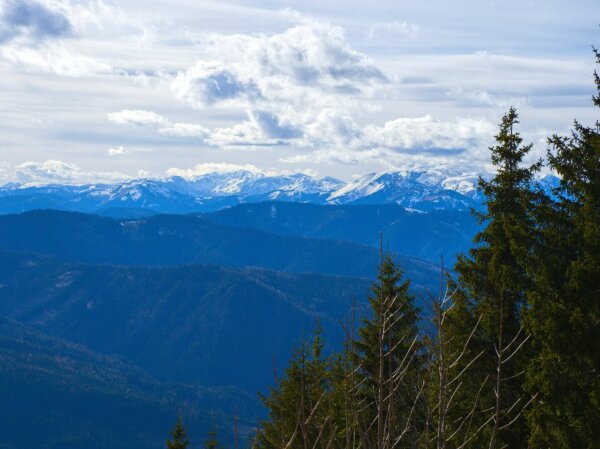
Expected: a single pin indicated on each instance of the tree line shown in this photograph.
(510, 357)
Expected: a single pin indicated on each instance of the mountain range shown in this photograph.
(423, 190)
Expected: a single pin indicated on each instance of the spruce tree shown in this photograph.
(211, 442)
(389, 362)
(178, 437)
(492, 284)
(565, 303)
(298, 405)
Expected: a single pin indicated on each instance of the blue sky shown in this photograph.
(105, 90)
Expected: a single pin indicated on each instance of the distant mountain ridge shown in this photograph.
(405, 231)
(426, 190)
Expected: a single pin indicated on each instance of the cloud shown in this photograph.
(245, 135)
(57, 59)
(212, 167)
(401, 141)
(32, 19)
(426, 134)
(310, 57)
(184, 130)
(54, 172)
(32, 32)
(138, 117)
(482, 97)
(389, 31)
(295, 86)
(118, 151)
(207, 83)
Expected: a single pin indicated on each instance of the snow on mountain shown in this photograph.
(424, 190)
(412, 189)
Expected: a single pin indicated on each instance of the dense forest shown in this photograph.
(510, 356)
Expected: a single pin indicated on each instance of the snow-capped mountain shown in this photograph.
(423, 190)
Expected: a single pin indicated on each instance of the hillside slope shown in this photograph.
(59, 395)
(205, 324)
(172, 240)
(426, 235)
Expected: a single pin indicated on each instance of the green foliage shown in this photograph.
(178, 437)
(565, 306)
(212, 442)
(389, 295)
(322, 400)
(387, 352)
(300, 404)
(492, 283)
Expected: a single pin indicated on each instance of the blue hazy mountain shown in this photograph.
(194, 324)
(55, 394)
(426, 235)
(170, 240)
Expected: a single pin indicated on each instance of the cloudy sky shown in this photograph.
(107, 89)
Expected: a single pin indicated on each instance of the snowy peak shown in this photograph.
(412, 189)
(418, 190)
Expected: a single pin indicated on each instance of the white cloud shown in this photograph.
(118, 151)
(401, 141)
(212, 167)
(311, 57)
(55, 58)
(138, 117)
(389, 31)
(210, 82)
(38, 36)
(53, 171)
(32, 20)
(430, 135)
(482, 97)
(247, 134)
(184, 130)
(306, 89)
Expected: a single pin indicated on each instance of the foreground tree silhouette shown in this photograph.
(178, 437)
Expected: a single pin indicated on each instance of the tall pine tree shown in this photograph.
(492, 285)
(299, 405)
(212, 442)
(389, 362)
(178, 437)
(565, 304)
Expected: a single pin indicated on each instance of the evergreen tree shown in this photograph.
(299, 410)
(453, 356)
(211, 442)
(389, 361)
(492, 287)
(565, 303)
(178, 437)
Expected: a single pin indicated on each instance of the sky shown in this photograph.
(100, 91)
